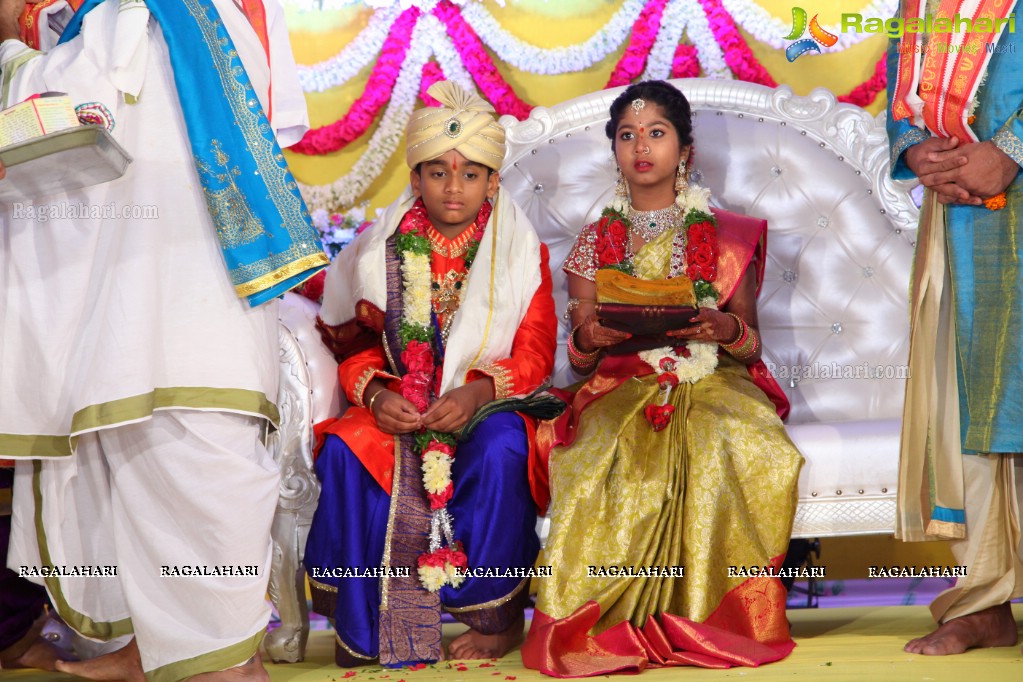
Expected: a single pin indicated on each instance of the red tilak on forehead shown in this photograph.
(454, 164)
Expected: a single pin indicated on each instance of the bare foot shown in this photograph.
(476, 645)
(252, 670)
(123, 664)
(994, 626)
(41, 654)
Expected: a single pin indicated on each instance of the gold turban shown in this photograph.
(464, 122)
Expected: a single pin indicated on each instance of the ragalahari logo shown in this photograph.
(801, 47)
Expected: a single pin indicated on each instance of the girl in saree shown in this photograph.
(673, 460)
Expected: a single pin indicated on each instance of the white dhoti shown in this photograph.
(151, 502)
(993, 549)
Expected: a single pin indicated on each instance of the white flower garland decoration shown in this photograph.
(429, 38)
(712, 58)
(701, 363)
(317, 5)
(568, 59)
(355, 56)
(766, 28)
(415, 272)
(662, 54)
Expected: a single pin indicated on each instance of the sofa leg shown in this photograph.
(286, 644)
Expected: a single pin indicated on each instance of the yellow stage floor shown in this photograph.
(832, 644)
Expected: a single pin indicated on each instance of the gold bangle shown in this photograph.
(376, 395)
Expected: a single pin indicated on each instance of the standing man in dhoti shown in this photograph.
(954, 122)
(138, 331)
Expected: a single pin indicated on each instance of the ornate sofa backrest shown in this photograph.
(834, 303)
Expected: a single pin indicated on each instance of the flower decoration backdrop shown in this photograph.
(365, 65)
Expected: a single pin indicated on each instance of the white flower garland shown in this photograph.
(317, 5)
(429, 38)
(701, 363)
(538, 60)
(662, 54)
(415, 278)
(712, 58)
(766, 28)
(355, 56)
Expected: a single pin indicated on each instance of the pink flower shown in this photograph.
(418, 357)
(415, 389)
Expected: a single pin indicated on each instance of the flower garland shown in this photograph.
(694, 360)
(440, 565)
(378, 91)
(686, 63)
(661, 58)
(533, 59)
(404, 70)
(738, 56)
(348, 188)
(763, 27)
(644, 32)
(355, 56)
(471, 49)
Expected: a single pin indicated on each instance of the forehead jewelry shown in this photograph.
(637, 105)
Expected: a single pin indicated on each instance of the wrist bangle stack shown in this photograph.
(746, 343)
(578, 358)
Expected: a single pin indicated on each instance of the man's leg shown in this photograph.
(192, 495)
(348, 532)
(495, 517)
(22, 605)
(976, 612)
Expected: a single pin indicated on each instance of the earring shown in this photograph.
(681, 179)
(621, 189)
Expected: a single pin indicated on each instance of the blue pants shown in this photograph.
(494, 518)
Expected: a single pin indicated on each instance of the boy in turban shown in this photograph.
(442, 307)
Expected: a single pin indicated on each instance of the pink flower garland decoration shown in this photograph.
(360, 117)
(644, 33)
(478, 62)
(432, 73)
(864, 93)
(685, 64)
(738, 56)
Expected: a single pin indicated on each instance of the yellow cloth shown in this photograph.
(716, 488)
(464, 123)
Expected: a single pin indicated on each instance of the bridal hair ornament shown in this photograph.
(637, 105)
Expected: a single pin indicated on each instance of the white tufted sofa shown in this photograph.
(834, 299)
